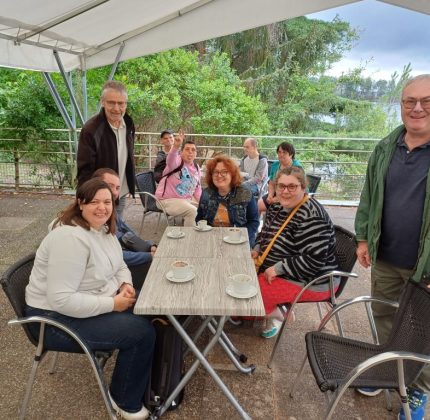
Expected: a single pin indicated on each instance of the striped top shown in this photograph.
(305, 249)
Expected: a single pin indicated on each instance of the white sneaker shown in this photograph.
(139, 415)
(272, 328)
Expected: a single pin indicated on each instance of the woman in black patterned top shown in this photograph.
(304, 250)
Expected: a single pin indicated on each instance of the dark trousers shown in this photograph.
(133, 335)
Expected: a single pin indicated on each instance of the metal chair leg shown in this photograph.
(298, 376)
(29, 387)
(54, 361)
(142, 222)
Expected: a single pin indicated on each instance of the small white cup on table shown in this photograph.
(182, 269)
(202, 224)
(234, 234)
(240, 283)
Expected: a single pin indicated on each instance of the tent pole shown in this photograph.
(84, 94)
(58, 101)
(69, 89)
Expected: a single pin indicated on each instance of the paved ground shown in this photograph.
(71, 393)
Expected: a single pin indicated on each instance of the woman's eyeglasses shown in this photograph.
(289, 187)
(223, 173)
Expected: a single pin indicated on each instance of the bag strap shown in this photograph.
(260, 259)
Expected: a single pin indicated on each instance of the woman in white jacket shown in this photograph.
(79, 278)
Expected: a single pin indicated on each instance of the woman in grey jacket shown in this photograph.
(80, 279)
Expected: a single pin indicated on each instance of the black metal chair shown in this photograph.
(338, 362)
(146, 189)
(313, 182)
(346, 258)
(14, 282)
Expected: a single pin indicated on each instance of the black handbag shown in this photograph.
(132, 242)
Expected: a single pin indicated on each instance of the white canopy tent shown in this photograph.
(63, 35)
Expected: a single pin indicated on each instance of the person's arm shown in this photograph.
(67, 264)
(86, 156)
(253, 221)
(201, 209)
(310, 258)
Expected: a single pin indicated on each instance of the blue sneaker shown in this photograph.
(369, 392)
(417, 403)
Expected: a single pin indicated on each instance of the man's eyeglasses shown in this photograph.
(411, 103)
(223, 173)
(111, 104)
(289, 187)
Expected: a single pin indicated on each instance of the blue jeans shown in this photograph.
(133, 335)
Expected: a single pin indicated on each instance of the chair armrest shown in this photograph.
(354, 301)
(370, 363)
(47, 321)
(330, 276)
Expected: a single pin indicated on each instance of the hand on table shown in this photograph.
(153, 249)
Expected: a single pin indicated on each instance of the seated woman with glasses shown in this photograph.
(225, 202)
(286, 158)
(295, 245)
(80, 279)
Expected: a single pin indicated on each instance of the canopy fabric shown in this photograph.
(88, 34)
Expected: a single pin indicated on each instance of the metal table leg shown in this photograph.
(201, 358)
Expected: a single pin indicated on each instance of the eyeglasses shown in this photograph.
(289, 187)
(120, 104)
(223, 173)
(411, 103)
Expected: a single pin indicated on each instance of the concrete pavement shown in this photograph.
(72, 393)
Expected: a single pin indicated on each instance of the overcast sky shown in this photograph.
(390, 37)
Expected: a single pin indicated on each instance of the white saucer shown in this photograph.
(170, 277)
(206, 229)
(171, 236)
(249, 294)
(231, 241)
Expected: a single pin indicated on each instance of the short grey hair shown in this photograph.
(416, 79)
(114, 85)
(253, 142)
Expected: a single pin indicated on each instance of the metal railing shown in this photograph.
(48, 164)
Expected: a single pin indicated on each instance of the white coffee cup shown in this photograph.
(240, 283)
(202, 224)
(234, 234)
(181, 269)
(175, 231)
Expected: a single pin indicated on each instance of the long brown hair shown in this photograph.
(72, 215)
(231, 167)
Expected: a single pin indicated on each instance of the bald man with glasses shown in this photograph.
(393, 218)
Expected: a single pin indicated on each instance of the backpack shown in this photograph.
(158, 169)
(173, 171)
(167, 366)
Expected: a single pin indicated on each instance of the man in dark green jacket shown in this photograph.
(393, 218)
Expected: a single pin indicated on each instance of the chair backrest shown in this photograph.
(346, 256)
(410, 331)
(14, 281)
(145, 182)
(313, 181)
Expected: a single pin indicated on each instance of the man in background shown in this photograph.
(255, 165)
(167, 138)
(107, 141)
(180, 188)
(137, 261)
